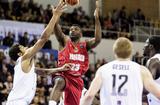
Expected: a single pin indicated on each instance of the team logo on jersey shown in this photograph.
(81, 46)
(78, 57)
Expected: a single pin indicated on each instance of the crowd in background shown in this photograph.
(30, 11)
(23, 39)
(117, 21)
(44, 82)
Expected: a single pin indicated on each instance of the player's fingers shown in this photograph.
(53, 8)
(64, 8)
(62, 3)
(97, 3)
(70, 65)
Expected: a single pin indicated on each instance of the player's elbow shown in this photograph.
(98, 37)
(89, 96)
(97, 41)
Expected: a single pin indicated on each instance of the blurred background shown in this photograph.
(22, 21)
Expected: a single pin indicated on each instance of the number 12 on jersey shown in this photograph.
(118, 85)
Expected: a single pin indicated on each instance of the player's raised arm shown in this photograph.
(47, 31)
(61, 37)
(149, 84)
(98, 33)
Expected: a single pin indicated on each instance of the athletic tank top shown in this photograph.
(79, 59)
(24, 84)
(121, 83)
(152, 100)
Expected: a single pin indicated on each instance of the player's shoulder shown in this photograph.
(144, 70)
(154, 61)
(157, 55)
(84, 43)
(19, 60)
(145, 73)
(105, 66)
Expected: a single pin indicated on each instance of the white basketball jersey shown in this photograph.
(24, 84)
(121, 83)
(152, 100)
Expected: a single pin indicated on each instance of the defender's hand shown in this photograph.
(58, 10)
(66, 67)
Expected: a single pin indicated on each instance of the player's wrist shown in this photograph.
(56, 16)
(60, 68)
(96, 18)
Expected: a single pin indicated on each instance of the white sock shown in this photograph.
(52, 102)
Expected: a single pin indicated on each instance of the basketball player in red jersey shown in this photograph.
(73, 51)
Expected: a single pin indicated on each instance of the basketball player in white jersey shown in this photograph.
(24, 83)
(121, 81)
(152, 51)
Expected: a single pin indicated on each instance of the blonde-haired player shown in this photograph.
(121, 81)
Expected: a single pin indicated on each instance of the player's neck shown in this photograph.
(13, 62)
(152, 53)
(75, 42)
(122, 59)
(75, 46)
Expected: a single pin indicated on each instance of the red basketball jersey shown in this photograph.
(77, 55)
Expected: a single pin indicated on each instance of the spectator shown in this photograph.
(139, 15)
(137, 57)
(3, 92)
(16, 7)
(8, 40)
(33, 41)
(2, 15)
(4, 4)
(24, 40)
(1, 60)
(108, 23)
(48, 45)
(9, 83)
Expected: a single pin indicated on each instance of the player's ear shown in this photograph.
(19, 54)
(151, 46)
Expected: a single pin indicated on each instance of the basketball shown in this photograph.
(72, 2)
